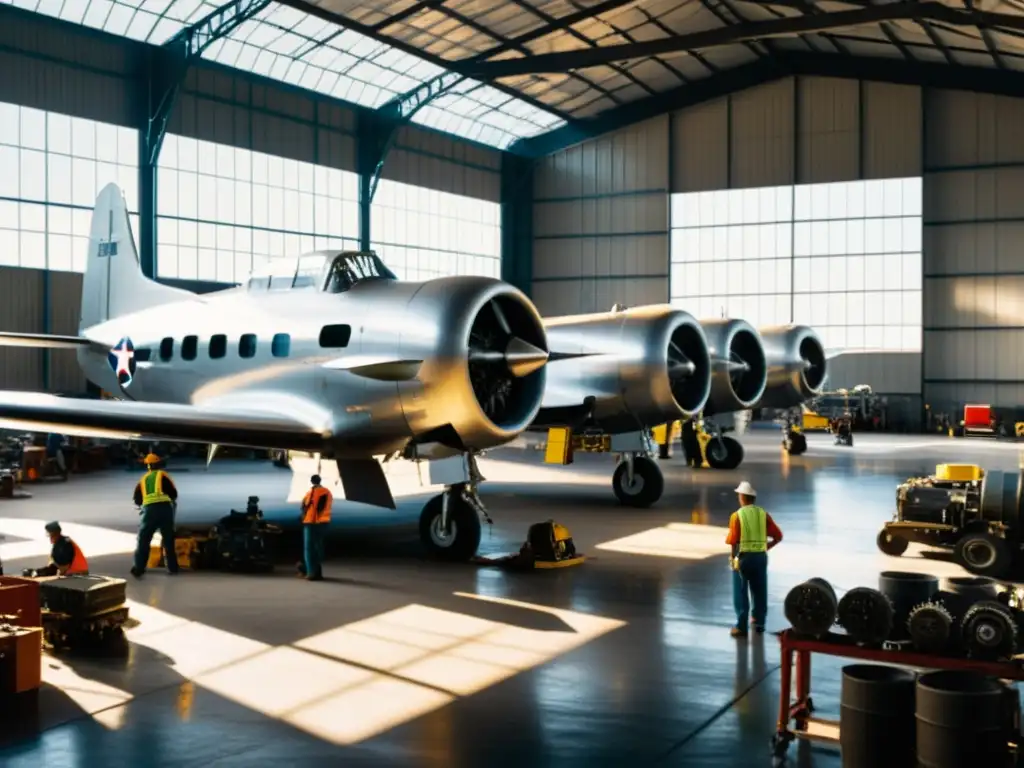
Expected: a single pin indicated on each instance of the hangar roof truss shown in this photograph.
(578, 67)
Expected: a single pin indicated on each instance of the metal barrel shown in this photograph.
(811, 607)
(876, 717)
(965, 591)
(962, 719)
(905, 591)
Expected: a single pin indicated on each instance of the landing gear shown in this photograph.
(724, 453)
(721, 452)
(794, 442)
(638, 481)
(450, 523)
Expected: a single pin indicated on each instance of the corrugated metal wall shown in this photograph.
(21, 311)
(600, 207)
(429, 159)
(600, 222)
(974, 250)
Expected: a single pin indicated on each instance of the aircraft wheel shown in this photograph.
(726, 453)
(891, 544)
(647, 486)
(984, 555)
(462, 539)
(795, 443)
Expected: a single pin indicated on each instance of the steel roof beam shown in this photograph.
(456, 66)
(878, 69)
(739, 33)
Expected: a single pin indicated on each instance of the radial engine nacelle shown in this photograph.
(739, 370)
(638, 366)
(796, 365)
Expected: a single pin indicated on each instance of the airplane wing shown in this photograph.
(270, 421)
(48, 341)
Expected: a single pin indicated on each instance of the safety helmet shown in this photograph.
(315, 480)
(745, 489)
(151, 459)
(53, 527)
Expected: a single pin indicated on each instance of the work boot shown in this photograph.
(737, 632)
(136, 572)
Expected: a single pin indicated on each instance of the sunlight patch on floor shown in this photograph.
(683, 541)
(344, 685)
(93, 540)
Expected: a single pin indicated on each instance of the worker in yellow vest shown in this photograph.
(752, 532)
(316, 518)
(156, 494)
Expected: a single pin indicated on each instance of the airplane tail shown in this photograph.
(114, 284)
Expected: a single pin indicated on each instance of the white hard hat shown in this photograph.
(746, 489)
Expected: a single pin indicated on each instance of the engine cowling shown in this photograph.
(739, 370)
(797, 365)
(642, 366)
(482, 386)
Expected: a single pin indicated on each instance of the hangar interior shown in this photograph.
(853, 166)
(862, 175)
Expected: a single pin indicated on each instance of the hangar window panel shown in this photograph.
(49, 170)
(449, 234)
(837, 248)
(248, 206)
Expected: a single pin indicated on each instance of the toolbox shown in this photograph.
(21, 659)
(82, 595)
(187, 551)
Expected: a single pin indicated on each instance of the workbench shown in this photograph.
(797, 650)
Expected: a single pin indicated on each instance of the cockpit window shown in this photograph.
(351, 268)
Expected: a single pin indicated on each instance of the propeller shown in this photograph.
(496, 358)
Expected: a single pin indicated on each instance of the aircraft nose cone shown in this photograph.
(523, 358)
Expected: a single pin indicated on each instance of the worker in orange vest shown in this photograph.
(66, 557)
(316, 517)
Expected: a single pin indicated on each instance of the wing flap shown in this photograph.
(269, 424)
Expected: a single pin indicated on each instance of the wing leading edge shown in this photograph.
(271, 424)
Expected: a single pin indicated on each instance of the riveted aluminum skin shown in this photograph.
(622, 360)
(739, 370)
(797, 365)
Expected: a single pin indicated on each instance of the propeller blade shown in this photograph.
(500, 316)
(680, 368)
(523, 358)
(486, 356)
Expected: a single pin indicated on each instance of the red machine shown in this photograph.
(979, 421)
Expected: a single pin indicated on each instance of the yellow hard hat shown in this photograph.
(151, 459)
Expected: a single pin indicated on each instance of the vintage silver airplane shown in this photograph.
(606, 385)
(329, 354)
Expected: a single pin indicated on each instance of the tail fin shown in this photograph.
(114, 284)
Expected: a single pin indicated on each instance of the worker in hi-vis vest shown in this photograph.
(752, 532)
(156, 495)
(316, 519)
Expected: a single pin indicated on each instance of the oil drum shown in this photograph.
(961, 592)
(811, 607)
(962, 719)
(905, 591)
(876, 721)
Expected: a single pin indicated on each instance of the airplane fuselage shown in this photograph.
(239, 347)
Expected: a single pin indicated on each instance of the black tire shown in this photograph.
(984, 555)
(648, 483)
(724, 453)
(989, 631)
(463, 540)
(891, 544)
(795, 443)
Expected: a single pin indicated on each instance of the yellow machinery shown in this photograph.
(562, 444)
(958, 473)
(813, 422)
(548, 545)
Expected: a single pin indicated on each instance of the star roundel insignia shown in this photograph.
(122, 361)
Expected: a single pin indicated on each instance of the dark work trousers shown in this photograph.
(313, 535)
(156, 517)
(751, 577)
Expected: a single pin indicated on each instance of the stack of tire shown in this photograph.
(890, 719)
(968, 615)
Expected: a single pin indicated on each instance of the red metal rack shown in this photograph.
(799, 649)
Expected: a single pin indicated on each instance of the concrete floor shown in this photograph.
(394, 660)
